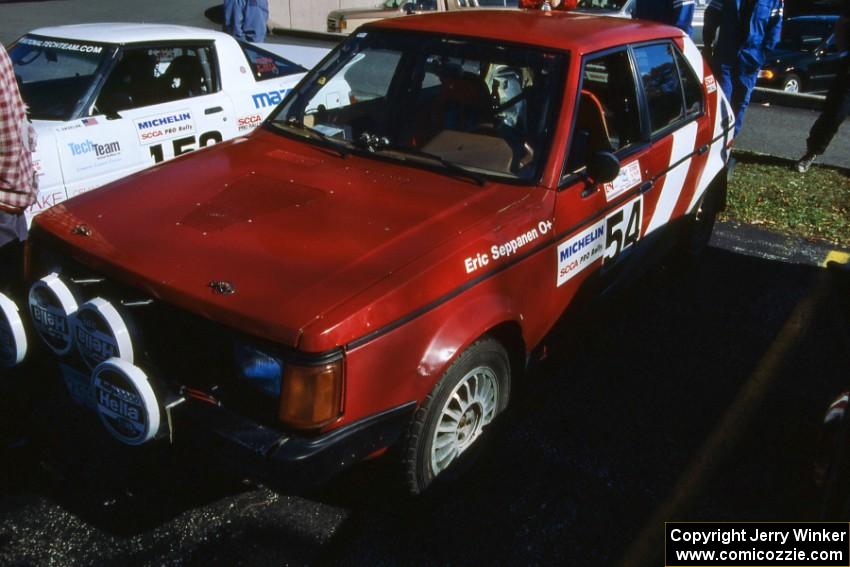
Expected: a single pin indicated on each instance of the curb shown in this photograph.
(750, 240)
(782, 98)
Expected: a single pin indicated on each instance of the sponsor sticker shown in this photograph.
(51, 306)
(248, 123)
(628, 177)
(710, 83)
(61, 45)
(269, 98)
(506, 249)
(152, 129)
(125, 402)
(13, 339)
(100, 333)
(605, 239)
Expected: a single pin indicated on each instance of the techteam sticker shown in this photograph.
(125, 401)
(710, 83)
(605, 239)
(509, 248)
(628, 177)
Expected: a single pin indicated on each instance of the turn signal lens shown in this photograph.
(766, 74)
(311, 396)
(343, 24)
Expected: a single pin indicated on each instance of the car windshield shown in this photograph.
(464, 103)
(55, 75)
(803, 35)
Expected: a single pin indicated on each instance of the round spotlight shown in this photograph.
(101, 333)
(51, 306)
(13, 339)
(125, 401)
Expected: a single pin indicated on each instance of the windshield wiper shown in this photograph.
(327, 141)
(375, 144)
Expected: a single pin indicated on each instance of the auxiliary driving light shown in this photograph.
(51, 306)
(13, 339)
(101, 333)
(125, 401)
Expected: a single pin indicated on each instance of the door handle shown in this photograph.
(647, 185)
(213, 110)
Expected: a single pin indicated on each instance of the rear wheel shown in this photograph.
(701, 225)
(447, 430)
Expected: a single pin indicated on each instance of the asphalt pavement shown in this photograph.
(782, 131)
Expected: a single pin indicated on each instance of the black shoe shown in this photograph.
(806, 162)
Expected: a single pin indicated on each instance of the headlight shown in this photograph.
(259, 369)
(311, 396)
(766, 74)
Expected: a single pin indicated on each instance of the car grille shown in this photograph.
(333, 26)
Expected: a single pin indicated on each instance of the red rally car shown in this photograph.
(374, 266)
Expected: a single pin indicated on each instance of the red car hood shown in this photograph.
(294, 228)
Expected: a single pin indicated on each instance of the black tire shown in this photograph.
(792, 83)
(487, 354)
(700, 225)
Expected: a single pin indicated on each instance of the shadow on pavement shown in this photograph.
(597, 436)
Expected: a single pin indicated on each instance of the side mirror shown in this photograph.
(409, 8)
(603, 167)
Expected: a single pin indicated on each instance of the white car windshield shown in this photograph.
(56, 76)
(459, 102)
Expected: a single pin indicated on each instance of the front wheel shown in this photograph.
(700, 225)
(448, 427)
(792, 84)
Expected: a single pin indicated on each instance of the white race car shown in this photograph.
(108, 100)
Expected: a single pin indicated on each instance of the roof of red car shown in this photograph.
(573, 31)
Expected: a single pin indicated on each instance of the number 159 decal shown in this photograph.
(605, 239)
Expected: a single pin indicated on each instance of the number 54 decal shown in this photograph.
(605, 239)
(622, 229)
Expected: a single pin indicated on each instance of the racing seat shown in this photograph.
(591, 133)
(131, 84)
(185, 77)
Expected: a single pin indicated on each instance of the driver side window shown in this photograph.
(154, 75)
(607, 117)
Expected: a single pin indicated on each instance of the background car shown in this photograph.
(345, 21)
(108, 100)
(625, 9)
(806, 59)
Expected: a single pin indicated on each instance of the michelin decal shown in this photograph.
(604, 240)
(152, 129)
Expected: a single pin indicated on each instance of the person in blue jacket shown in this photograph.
(679, 13)
(748, 29)
(246, 19)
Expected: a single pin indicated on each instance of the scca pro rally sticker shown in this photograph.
(125, 402)
(629, 177)
(710, 84)
(160, 127)
(605, 239)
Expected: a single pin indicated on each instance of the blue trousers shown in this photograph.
(246, 19)
(737, 81)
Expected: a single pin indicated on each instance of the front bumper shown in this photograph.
(288, 461)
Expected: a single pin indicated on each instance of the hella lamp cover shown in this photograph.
(13, 339)
(52, 305)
